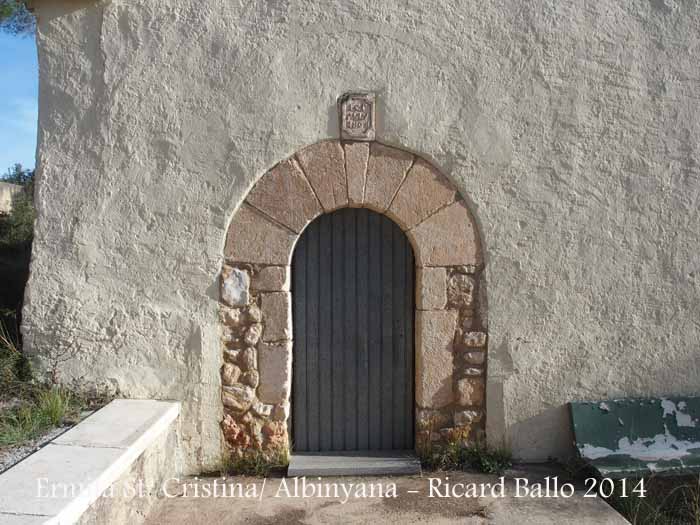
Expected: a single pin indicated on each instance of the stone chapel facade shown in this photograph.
(534, 167)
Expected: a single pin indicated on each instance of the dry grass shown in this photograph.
(45, 409)
(462, 455)
(668, 501)
(256, 463)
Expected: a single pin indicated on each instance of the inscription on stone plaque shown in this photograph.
(357, 116)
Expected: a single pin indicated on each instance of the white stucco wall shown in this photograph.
(571, 129)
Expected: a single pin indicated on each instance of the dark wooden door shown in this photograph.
(353, 314)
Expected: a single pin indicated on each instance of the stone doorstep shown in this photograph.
(362, 463)
(95, 453)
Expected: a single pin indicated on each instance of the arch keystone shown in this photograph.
(356, 158)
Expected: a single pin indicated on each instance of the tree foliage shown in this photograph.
(16, 230)
(16, 233)
(15, 18)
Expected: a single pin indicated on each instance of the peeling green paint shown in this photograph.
(638, 436)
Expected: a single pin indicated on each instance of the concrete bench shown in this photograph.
(635, 437)
(63, 480)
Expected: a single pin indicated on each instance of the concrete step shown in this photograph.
(355, 463)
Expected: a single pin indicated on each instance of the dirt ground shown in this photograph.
(277, 501)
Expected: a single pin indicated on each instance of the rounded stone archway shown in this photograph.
(257, 341)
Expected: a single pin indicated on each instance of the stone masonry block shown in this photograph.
(237, 397)
(474, 358)
(386, 170)
(275, 365)
(431, 288)
(285, 195)
(356, 157)
(460, 290)
(235, 286)
(271, 279)
(470, 391)
(474, 339)
(277, 316)
(447, 238)
(424, 191)
(253, 238)
(435, 334)
(324, 166)
(467, 417)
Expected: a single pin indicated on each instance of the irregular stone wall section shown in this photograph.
(256, 375)
(450, 397)
(257, 340)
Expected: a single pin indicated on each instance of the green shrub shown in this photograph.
(470, 456)
(14, 366)
(37, 410)
(54, 405)
(20, 425)
(256, 462)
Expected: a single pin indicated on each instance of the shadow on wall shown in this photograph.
(50, 9)
(548, 434)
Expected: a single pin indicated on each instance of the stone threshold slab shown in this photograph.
(360, 463)
(59, 482)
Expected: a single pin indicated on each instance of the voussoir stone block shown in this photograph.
(431, 286)
(424, 191)
(356, 158)
(324, 166)
(434, 337)
(386, 169)
(277, 316)
(271, 279)
(447, 238)
(284, 194)
(275, 365)
(254, 238)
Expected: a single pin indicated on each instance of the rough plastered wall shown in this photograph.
(572, 131)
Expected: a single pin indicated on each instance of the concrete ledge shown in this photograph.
(58, 483)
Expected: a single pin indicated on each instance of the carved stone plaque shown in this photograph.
(357, 116)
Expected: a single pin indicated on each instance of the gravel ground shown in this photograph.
(10, 456)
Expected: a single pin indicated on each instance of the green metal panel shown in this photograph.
(625, 437)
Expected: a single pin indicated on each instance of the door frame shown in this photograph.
(255, 300)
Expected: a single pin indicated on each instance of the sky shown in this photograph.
(18, 101)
